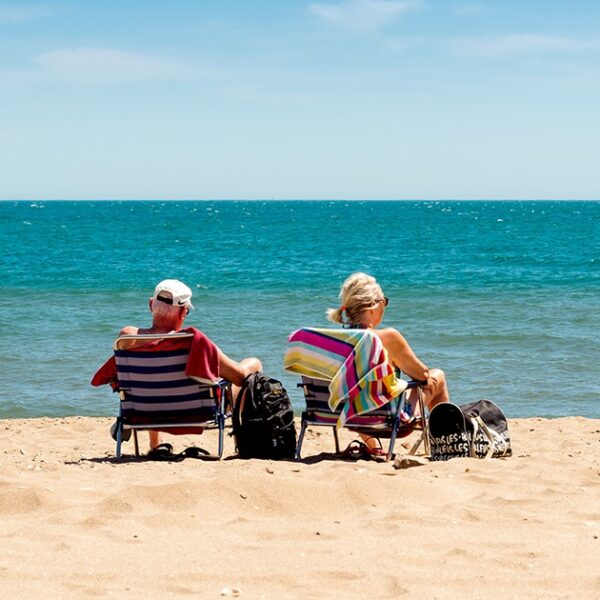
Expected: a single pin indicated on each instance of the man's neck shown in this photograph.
(162, 328)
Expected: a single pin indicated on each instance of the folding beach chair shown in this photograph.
(321, 356)
(385, 422)
(155, 392)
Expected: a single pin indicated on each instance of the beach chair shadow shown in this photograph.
(156, 394)
(310, 354)
(107, 460)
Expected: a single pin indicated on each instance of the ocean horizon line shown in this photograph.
(300, 199)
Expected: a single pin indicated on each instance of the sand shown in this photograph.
(77, 524)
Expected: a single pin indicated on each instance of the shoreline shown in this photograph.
(76, 523)
(297, 413)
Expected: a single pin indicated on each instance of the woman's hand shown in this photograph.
(432, 383)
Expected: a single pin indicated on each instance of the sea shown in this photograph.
(504, 296)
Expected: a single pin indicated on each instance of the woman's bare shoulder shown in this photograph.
(389, 334)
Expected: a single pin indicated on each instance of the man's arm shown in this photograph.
(233, 371)
(107, 373)
(128, 344)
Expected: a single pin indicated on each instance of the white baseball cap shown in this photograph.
(180, 294)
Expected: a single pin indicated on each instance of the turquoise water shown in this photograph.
(504, 296)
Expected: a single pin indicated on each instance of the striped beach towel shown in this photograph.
(355, 362)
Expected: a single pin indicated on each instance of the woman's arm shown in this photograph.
(401, 354)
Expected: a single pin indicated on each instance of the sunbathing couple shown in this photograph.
(363, 307)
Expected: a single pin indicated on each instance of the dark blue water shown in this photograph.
(502, 295)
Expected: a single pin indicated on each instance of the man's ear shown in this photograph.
(150, 302)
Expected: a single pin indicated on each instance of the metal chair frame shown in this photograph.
(221, 390)
(391, 427)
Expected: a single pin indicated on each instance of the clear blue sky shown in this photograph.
(300, 99)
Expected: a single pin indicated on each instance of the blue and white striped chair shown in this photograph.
(155, 393)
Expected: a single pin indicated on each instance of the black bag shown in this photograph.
(263, 419)
(448, 436)
(487, 429)
(478, 429)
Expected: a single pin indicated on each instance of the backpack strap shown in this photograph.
(495, 440)
(478, 424)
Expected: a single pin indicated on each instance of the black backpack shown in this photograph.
(263, 419)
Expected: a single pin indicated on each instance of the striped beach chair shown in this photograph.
(386, 422)
(347, 382)
(155, 392)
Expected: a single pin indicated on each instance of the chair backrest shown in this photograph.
(354, 361)
(316, 396)
(154, 387)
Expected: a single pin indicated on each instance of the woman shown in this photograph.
(363, 306)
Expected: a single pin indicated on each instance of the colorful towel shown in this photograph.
(355, 362)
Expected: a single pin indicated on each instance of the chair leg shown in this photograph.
(416, 445)
(119, 439)
(393, 436)
(424, 424)
(221, 434)
(225, 398)
(337, 440)
(136, 443)
(300, 440)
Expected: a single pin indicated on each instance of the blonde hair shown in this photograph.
(359, 292)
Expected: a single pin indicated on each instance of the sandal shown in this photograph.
(357, 450)
(163, 452)
(195, 452)
(378, 451)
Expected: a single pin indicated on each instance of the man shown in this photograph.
(170, 305)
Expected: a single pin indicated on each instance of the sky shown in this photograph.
(291, 99)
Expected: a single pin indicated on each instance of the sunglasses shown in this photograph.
(385, 301)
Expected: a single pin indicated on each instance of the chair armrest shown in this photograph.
(415, 383)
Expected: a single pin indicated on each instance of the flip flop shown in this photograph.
(357, 450)
(378, 451)
(163, 452)
(195, 452)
